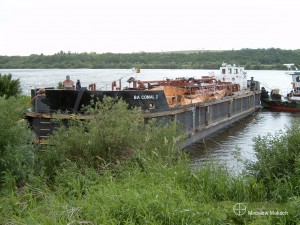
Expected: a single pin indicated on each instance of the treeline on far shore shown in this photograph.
(252, 59)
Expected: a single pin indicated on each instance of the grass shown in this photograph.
(157, 194)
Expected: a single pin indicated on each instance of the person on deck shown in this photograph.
(78, 85)
(68, 83)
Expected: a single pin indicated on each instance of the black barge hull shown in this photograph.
(198, 120)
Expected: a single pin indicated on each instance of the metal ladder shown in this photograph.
(45, 129)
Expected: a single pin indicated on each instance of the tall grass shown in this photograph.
(165, 194)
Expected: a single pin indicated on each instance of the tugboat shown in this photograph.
(276, 102)
(201, 105)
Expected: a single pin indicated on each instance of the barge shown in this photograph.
(201, 105)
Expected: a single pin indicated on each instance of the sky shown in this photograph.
(127, 26)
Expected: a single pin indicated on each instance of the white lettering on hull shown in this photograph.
(145, 97)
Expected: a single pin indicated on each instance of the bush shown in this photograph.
(278, 162)
(115, 134)
(16, 150)
(9, 87)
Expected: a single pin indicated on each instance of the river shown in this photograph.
(220, 146)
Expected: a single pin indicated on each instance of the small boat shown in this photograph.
(201, 105)
(290, 103)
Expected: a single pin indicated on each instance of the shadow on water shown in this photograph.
(223, 146)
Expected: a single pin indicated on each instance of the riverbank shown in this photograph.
(251, 59)
(122, 173)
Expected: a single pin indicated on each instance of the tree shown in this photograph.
(9, 87)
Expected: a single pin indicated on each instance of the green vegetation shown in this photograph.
(114, 135)
(9, 87)
(16, 154)
(278, 165)
(251, 58)
(116, 170)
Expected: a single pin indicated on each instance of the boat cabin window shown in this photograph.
(230, 71)
(298, 79)
(236, 71)
(223, 71)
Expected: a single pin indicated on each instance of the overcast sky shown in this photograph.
(126, 26)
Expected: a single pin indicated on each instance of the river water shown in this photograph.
(222, 145)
